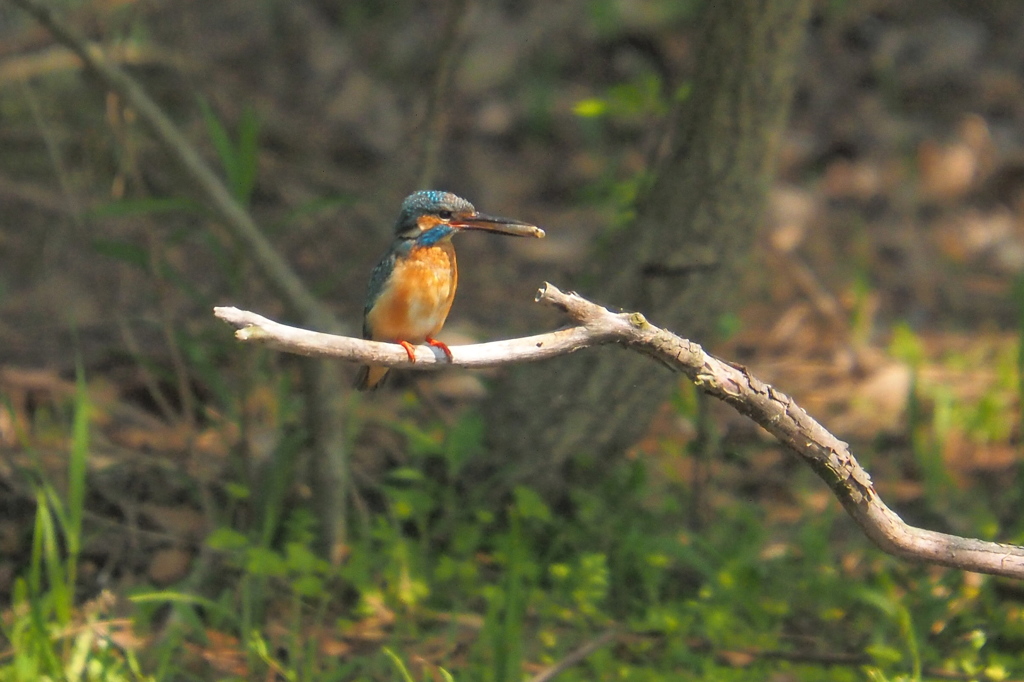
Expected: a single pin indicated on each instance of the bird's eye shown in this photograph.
(445, 214)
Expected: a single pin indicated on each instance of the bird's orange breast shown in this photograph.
(417, 297)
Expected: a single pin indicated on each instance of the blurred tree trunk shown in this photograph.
(679, 260)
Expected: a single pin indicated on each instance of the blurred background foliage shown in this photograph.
(155, 502)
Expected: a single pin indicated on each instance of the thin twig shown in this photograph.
(35, 195)
(149, 381)
(576, 656)
(56, 159)
(182, 377)
(829, 457)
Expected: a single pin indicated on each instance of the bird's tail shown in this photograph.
(370, 377)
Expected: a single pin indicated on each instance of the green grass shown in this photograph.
(738, 600)
(51, 633)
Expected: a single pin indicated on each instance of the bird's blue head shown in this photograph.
(430, 216)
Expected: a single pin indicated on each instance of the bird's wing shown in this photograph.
(378, 279)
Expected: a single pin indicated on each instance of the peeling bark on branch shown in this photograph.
(829, 457)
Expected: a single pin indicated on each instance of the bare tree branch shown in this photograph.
(253, 327)
(828, 456)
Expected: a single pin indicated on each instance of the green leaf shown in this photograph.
(126, 252)
(728, 325)
(420, 442)
(465, 440)
(308, 586)
(77, 465)
(906, 345)
(684, 91)
(218, 134)
(590, 108)
(239, 159)
(405, 475)
(402, 670)
(237, 491)
(226, 539)
(301, 559)
(265, 561)
(530, 505)
(884, 654)
(180, 598)
(246, 165)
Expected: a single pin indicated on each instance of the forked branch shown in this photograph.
(594, 325)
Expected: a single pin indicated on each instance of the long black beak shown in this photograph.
(481, 221)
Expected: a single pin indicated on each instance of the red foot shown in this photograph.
(410, 350)
(440, 344)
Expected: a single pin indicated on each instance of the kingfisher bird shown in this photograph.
(412, 288)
